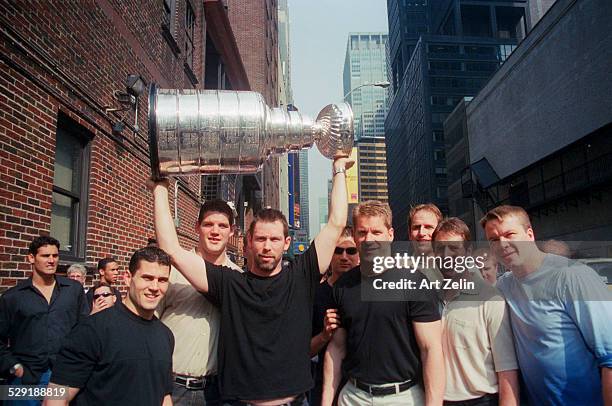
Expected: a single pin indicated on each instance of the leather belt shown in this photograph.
(384, 390)
(195, 383)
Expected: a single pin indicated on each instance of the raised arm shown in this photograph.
(429, 339)
(325, 242)
(190, 264)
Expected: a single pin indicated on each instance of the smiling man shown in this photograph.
(481, 367)
(391, 350)
(560, 315)
(266, 312)
(122, 355)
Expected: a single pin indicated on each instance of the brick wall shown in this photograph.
(255, 24)
(68, 58)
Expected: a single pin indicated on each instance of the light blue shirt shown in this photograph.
(561, 318)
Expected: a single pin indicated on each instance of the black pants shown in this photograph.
(209, 396)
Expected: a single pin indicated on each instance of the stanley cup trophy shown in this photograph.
(234, 132)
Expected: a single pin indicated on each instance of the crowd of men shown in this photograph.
(299, 333)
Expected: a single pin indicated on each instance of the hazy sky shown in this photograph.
(318, 34)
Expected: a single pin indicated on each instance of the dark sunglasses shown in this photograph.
(107, 294)
(349, 250)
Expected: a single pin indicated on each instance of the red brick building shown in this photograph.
(256, 30)
(64, 171)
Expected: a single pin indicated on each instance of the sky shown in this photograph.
(318, 32)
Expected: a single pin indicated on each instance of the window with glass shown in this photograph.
(70, 181)
(189, 34)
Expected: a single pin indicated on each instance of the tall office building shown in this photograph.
(285, 97)
(366, 63)
(304, 203)
(455, 47)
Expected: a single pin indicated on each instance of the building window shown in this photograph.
(439, 154)
(169, 26)
(70, 181)
(189, 34)
(169, 9)
(438, 136)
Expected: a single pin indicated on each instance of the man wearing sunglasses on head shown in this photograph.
(103, 297)
(325, 317)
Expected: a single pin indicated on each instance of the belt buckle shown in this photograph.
(188, 383)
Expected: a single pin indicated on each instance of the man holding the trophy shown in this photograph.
(266, 312)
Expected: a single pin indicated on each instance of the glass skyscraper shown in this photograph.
(365, 64)
(440, 52)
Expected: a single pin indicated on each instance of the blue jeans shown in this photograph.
(44, 381)
(209, 396)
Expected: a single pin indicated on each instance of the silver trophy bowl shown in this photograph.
(234, 132)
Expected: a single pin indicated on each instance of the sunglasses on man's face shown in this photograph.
(349, 250)
(107, 294)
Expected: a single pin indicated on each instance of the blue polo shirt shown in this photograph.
(561, 319)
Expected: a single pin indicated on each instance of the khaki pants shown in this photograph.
(353, 396)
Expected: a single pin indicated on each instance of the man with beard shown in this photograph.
(481, 367)
(122, 355)
(266, 312)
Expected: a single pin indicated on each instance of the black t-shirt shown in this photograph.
(381, 347)
(117, 358)
(264, 339)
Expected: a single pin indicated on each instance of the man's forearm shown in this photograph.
(164, 224)
(509, 394)
(434, 377)
(338, 207)
(331, 374)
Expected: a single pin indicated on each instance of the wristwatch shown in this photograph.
(14, 368)
(340, 170)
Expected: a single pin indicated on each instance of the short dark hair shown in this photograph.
(269, 215)
(218, 205)
(105, 261)
(41, 242)
(149, 254)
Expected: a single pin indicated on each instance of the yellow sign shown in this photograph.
(301, 247)
(352, 179)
